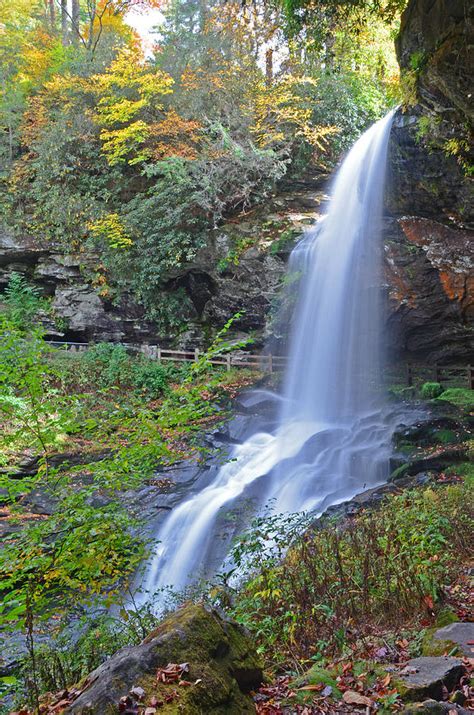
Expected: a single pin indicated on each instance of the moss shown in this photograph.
(406, 448)
(445, 617)
(316, 675)
(430, 390)
(432, 646)
(400, 472)
(459, 396)
(445, 436)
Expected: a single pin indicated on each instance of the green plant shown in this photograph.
(233, 257)
(431, 390)
(23, 301)
(381, 567)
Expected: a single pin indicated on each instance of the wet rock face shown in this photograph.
(221, 669)
(429, 247)
(429, 270)
(434, 37)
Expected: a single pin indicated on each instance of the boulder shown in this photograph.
(426, 676)
(217, 662)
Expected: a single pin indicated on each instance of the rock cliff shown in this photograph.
(429, 242)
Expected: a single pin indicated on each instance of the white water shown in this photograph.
(334, 435)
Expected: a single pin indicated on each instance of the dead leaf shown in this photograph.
(386, 681)
(429, 602)
(150, 711)
(317, 688)
(351, 697)
(137, 692)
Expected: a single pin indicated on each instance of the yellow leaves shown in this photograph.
(130, 96)
(268, 594)
(285, 109)
(118, 143)
(110, 229)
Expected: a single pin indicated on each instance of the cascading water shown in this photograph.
(334, 435)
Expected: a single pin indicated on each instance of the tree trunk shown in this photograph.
(64, 23)
(75, 16)
(269, 67)
(52, 15)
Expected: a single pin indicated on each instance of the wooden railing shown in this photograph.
(412, 374)
(444, 374)
(260, 361)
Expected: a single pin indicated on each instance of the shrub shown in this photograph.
(382, 567)
(154, 378)
(430, 390)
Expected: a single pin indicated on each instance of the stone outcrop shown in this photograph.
(239, 270)
(429, 269)
(429, 238)
(214, 662)
(78, 311)
(435, 42)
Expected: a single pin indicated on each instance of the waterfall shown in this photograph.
(334, 433)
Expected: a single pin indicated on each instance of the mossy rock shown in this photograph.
(437, 647)
(223, 668)
(400, 472)
(426, 677)
(460, 396)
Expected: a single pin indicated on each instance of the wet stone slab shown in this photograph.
(460, 633)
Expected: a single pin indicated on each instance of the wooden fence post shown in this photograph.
(409, 375)
(158, 354)
(470, 377)
(228, 364)
(438, 377)
(196, 354)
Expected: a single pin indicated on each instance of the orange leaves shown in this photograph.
(174, 136)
